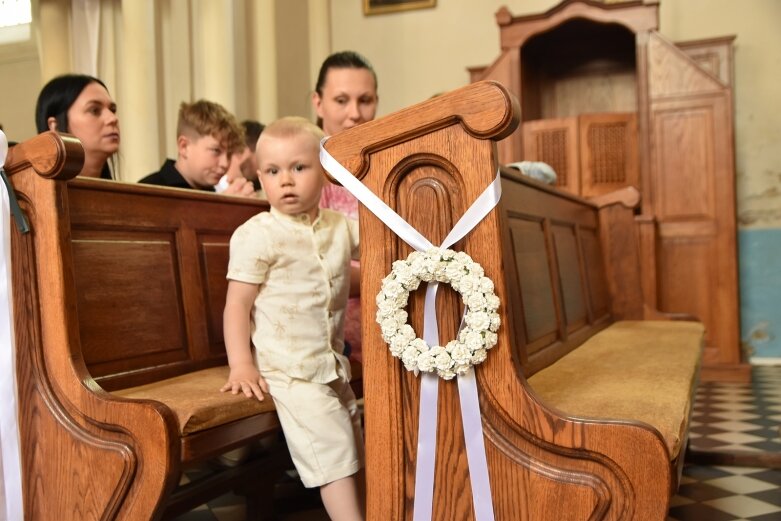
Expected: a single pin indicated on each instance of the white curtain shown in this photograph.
(85, 21)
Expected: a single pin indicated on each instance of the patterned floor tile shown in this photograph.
(740, 418)
(744, 506)
(741, 484)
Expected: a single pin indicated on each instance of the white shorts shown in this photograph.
(322, 426)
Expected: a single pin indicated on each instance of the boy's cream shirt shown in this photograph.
(303, 273)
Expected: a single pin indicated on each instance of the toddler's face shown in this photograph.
(290, 173)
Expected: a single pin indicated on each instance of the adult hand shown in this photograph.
(240, 186)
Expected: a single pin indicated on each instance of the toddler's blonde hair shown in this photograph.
(292, 126)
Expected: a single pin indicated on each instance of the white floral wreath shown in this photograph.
(480, 322)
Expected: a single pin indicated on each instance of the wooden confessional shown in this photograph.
(609, 102)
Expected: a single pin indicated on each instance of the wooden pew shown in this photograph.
(567, 435)
(118, 298)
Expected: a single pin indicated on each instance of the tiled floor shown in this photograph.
(729, 418)
(738, 419)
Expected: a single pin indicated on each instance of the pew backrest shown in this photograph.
(149, 268)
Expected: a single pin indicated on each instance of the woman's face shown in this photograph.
(93, 119)
(349, 98)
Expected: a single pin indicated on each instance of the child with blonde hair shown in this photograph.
(287, 291)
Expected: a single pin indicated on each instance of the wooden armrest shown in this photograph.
(51, 155)
(628, 197)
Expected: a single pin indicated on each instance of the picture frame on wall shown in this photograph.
(371, 7)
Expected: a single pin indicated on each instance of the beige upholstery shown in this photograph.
(643, 371)
(196, 399)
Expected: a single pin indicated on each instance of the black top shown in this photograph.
(168, 175)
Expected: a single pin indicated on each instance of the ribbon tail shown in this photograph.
(475, 446)
(427, 448)
(427, 417)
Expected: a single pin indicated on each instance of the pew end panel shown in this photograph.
(428, 163)
(69, 427)
(118, 298)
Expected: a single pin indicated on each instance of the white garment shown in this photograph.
(11, 476)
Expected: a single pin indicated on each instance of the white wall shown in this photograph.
(424, 52)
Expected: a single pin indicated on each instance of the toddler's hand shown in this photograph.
(248, 380)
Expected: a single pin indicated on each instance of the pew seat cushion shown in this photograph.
(644, 371)
(196, 400)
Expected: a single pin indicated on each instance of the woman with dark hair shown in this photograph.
(346, 92)
(345, 96)
(81, 105)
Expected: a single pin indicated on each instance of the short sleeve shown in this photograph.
(249, 257)
(355, 251)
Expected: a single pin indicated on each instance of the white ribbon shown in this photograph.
(429, 387)
(9, 431)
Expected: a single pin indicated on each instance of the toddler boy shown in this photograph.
(287, 291)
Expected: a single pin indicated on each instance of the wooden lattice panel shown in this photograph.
(552, 146)
(608, 152)
(555, 142)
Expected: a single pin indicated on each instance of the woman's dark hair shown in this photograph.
(55, 100)
(341, 60)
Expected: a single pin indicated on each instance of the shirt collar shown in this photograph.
(302, 218)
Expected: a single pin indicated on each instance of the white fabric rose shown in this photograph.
(486, 285)
(393, 289)
(410, 358)
(478, 320)
(460, 353)
(477, 302)
(385, 307)
(426, 362)
(479, 356)
(495, 322)
(397, 345)
(407, 333)
(492, 302)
